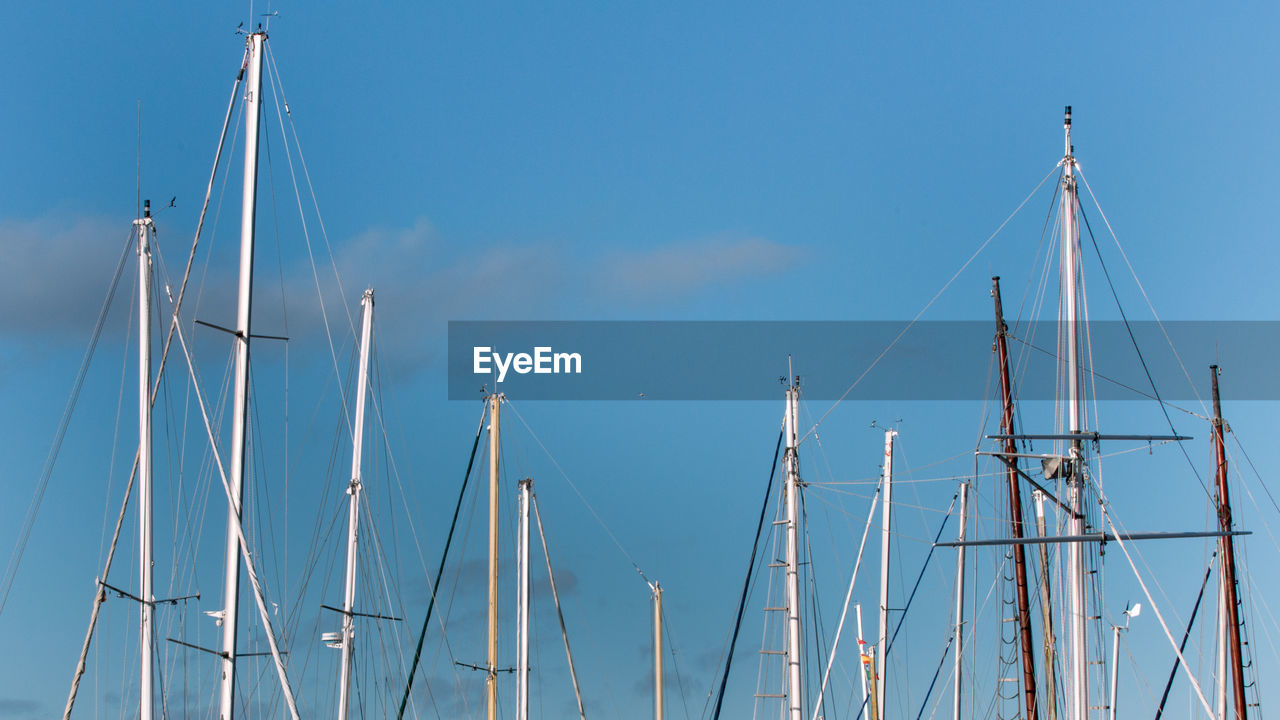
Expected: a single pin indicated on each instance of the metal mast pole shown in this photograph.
(1015, 506)
(1115, 668)
(1046, 615)
(863, 656)
(1129, 614)
(147, 607)
(1228, 555)
(522, 606)
(657, 652)
(491, 680)
(885, 540)
(959, 656)
(353, 510)
(239, 417)
(792, 493)
(1220, 662)
(1079, 660)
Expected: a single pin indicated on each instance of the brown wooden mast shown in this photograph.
(1228, 554)
(1015, 507)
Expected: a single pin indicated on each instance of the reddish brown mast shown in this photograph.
(1228, 553)
(1015, 507)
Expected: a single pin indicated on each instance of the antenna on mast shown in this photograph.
(1066, 126)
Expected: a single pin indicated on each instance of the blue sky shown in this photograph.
(597, 161)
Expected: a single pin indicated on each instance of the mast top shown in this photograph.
(1214, 371)
(1066, 127)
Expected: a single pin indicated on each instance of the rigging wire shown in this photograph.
(742, 602)
(578, 492)
(1145, 369)
(906, 607)
(1143, 290)
(274, 82)
(28, 523)
(100, 597)
(564, 633)
(938, 671)
(819, 631)
(927, 305)
(775, 596)
(871, 513)
(435, 586)
(1030, 345)
(671, 649)
(1156, 609)
(1185, 635)
(243, 543)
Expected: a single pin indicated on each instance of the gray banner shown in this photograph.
(599, 360)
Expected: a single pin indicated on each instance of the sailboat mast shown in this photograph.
(885, 539)
(239, 418)
(1228, 555)
(491, 680)
(1046, 615)
(522, 606)
(1115, 672)
(1079, 661)
(864, 657)
(1220, 672)
(353, 510)
(792, 492)
(1015, 506)
(147, 607)
(658, 704)
(959, 654)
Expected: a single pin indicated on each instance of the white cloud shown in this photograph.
(679, 270)
(56, 273)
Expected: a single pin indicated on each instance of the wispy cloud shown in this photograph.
(19, 708)
(679, 270)
(59, 271)
(56, 273)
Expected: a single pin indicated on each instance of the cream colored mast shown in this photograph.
(657, 651)
(491, 679)
(522, 605)
(353, 511)
(1046, 615)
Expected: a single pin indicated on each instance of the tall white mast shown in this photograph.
(146, 631)
(885, 540)
(522, 609)
(239, 418)
(1069, 282)
(491, 680)
(792, 493)
(658, 704)
(353, 510)
(959, 653)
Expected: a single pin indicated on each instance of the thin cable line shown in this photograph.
(1143, 290)
(928, 305)
(578, 492)
(28, 524)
